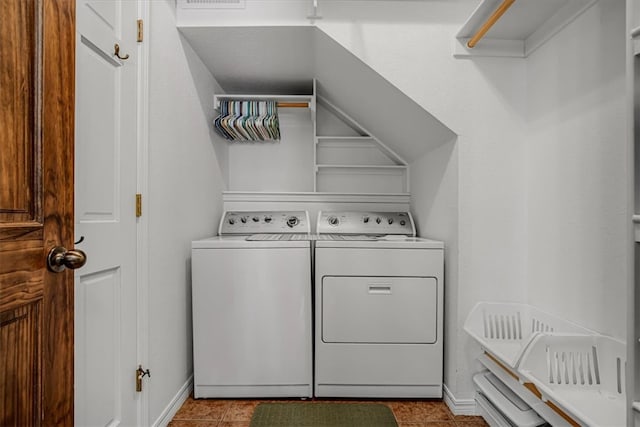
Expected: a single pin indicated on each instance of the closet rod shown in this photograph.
(506, 4)
(292, 105)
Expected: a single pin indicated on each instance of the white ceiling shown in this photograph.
(285, 60)
(261, 60)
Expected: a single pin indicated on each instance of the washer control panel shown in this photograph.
(254, 222)
(378, 223)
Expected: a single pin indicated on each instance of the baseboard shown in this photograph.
(459, 406)
(183, 394)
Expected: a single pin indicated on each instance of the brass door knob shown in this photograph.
(60, 258)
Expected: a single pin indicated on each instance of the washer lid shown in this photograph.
(240, 242)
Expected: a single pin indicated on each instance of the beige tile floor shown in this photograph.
(237, 413)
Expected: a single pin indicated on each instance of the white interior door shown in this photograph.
(105, 182)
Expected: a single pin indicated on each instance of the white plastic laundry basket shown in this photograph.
(582, 374)
(505, 329)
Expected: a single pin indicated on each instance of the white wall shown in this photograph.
(284, 165)
(186, 176)
(575, 180)
(435, 204)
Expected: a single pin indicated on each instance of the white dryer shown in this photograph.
(378, 307)
(251, 297)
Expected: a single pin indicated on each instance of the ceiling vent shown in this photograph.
(211, 4)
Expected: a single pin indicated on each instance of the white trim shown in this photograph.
(489, 47)
(459, 406)
(172, 408)
(314, 120)
(142, 229)
(250, 196)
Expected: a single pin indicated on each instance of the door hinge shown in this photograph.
(140, 32)
(138, 205)
(140, 374)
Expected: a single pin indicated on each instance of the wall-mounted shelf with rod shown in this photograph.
(515, 29)
(348, 159)
(284, 101)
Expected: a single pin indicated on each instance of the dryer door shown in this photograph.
(379, 309)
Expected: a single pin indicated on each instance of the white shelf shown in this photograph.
(524, 27)
(583, 375)
(353, 151)
(511, 380)
(345, 138)
(355, 125)
(361, 167)
(315, 197)
(357, 161)
(361, 179)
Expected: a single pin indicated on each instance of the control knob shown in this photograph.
(365, 219)
(390, 221)
(292, 221)
(402, 222)
(378, 220)
(232, 221)
(333, 220)
(267, 219)
(243, 219)
(256, 219)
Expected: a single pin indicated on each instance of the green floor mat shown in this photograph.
(312, 414)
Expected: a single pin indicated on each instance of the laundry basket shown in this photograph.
(505, 329)
(581, 374)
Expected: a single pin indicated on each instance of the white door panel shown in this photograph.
(105, 182)
(97, 308)
(98, 138)
(101, 22)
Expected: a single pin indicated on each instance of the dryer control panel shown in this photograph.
(259, 222)
(376, 223)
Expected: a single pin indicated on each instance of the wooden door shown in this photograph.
(37, 39)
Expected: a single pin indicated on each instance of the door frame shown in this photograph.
(142, 225)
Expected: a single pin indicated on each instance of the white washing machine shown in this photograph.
(378, 307)
(251, 296)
